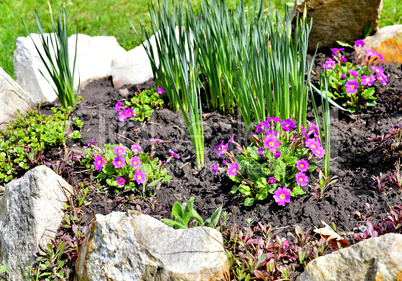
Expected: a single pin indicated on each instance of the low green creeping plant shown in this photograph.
(278, 158)
(124, 169)
(23, 141)
(141, 106)
(350, 83)
(184, 216)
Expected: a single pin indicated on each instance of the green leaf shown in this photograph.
(155, 182)
(177, 210)
(297, 190)
(249, 202)
(173, 223)
(3, 268)
(367, 29)
(344, 44)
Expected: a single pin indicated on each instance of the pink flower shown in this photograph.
(218, 147)
(174, 154)
(233, 168)
(155, 140)
(231, 138)
(89, 144)
(272, 180)
(272, 143)
(288, 125)
(135, 162)
(160, 91)
(359, 43)
(377, 69)
(334, 50)
(282, 196)
(370, 53)
(119, 150)
(139, 176)
(319, 152)
(353, 73)
(302, 165)
(277, 154)
(329, 64)
(344, 60)
(368, 80)
(382, 78)
(99, 162)
(118, 162)
(343, 76)
(129, 112)
(215, 168)
(351, 86)
(312, 143)
(118, 106)
(136, 148)
(223, 150)
(122, 116)
(261, 151)
(262, 127)
(301, 179)
(120, 181)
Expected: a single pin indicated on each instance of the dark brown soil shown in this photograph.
(353, 160)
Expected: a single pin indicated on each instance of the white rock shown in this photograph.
(31, 211)
(94, 60)
(12, 98)
(387, 41)
(338, 20)
(134, 246)
(378, 258)
(132, 67)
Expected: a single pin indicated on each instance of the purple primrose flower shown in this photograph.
(272, 180)
(282, 196)
(272, 143)
(118, 106)
(301, 179)
(120, 181)
(329, 64)
(139, 176)
(174, 154)
(368, 80)
(160, 91)
(119, 150)
(119, 162)
(302, 165)
(215, 168)
(136, 148)
(351, 86)
(360, 43)
(354, 73)
(135, 162)
(288, 125)
(99, 162)
(233, 168)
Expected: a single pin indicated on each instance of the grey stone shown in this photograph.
(378, 258)
(31, 211)
(338, 20)
(12, 98)
(134, 246)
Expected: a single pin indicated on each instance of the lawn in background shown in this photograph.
(107, 18)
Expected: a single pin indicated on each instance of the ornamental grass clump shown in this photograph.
(351, 84)
(276, 163)
(127, 169)
(56, 56)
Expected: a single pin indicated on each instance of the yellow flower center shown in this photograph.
(139, 177)
(99, 162)
(300, 179)
(282, 196)
(271, 144)
(352, 86)
(135, 162)
(367, 79)
(313, 146)
(118, 162)
(301, 165)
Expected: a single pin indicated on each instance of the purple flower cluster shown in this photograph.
(315, 147)
(123, 113)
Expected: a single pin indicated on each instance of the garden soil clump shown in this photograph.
(353, 160)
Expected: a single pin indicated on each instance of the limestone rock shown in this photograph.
(12, 97)
(94, 60)
(338, 19)
(388, 42)
(31, 211)
(378, 258)
(134, 246)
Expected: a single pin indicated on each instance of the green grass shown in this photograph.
(108, 17)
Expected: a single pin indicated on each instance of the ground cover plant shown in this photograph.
(265, 239)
